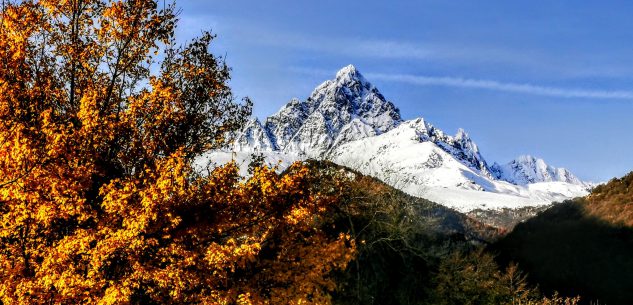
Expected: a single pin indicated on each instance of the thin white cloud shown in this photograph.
(247, 33)
(501, 86)
(367, 48)
(244, 33)
(389, 49)
(459, 82)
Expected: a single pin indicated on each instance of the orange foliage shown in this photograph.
(612, 202)
(99, 203)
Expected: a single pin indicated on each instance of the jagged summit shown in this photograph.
(344, 109)
(460, 146)
(527, 169)
(350, 74)
(347, 120)
(254, 137)
(347, 70)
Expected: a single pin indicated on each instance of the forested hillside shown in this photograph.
(580, 247)
(413, 251)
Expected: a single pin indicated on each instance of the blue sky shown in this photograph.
(549, 78)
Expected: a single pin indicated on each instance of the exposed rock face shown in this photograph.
(338, 111)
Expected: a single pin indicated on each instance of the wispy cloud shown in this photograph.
(347, 46)
(470, 83)
(247, 33)
(501, 86)
(244, 34)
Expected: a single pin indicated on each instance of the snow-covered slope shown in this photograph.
(348, 121)
(527, 169)
(407, 159)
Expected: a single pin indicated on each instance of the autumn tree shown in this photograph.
(101, 117)
(475, 278)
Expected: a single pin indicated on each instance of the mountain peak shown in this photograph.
(340, 110)
(350, 75)
(347, 70)
(254, 137)
(461, 134)
(346, 119)
(527, 158)
(527, 169)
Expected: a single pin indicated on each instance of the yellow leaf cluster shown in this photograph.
(99, 202)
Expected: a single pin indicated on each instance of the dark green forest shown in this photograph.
(413, 251)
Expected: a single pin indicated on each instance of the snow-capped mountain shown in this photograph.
(527, 169)
(338, 111)
(348, 121)
(254, 137)
(407, 159)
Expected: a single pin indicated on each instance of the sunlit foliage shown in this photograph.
(101, 116)
(612, 202)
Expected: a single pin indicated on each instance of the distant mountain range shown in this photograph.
(348, 121)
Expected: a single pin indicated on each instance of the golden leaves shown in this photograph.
(99, 203)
